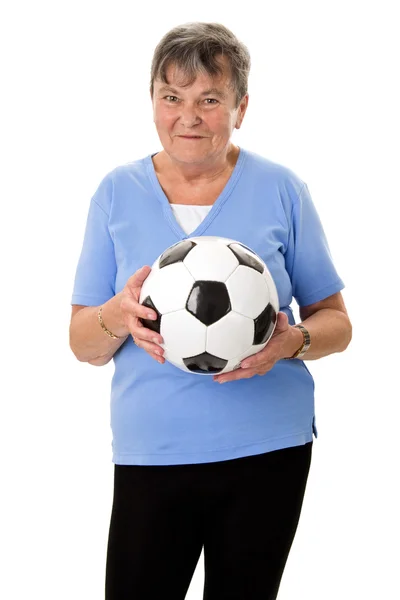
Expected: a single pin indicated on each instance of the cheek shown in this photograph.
(219, 123)
(163, 119)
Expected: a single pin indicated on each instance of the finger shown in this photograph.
(259, 359)
(256, 365)
(130, 307)
(146, 313)
(132, 313)
(234, 375)
(153, 349)
(159, 359)
(141, 333)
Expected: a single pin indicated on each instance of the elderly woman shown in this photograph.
(197, 464)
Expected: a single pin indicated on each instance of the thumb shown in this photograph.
(282, 322)
(139, 276)
(143, 270)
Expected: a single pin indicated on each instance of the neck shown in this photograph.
(197, 173)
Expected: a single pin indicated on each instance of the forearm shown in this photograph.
(88, 341)
(330, 331)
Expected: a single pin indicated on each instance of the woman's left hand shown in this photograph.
(263, 361)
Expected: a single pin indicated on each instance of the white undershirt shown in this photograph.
(189, 216)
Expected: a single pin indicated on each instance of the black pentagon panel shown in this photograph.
(244, 259)
(244, 246)
(205, 363)
(264, 324)
(149, 323)
(176, 253)
(208, 301)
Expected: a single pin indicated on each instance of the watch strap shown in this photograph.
(305, 345)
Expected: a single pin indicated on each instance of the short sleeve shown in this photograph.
(96, 270)
(308, 259)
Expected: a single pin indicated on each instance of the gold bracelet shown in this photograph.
(117, 337)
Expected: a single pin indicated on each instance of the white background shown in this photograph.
(324, 101)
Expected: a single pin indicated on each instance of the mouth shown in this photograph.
(191, 137)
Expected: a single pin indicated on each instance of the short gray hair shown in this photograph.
(196, 47)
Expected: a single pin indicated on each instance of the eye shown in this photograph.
(172, 99)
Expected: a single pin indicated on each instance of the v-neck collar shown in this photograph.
(216, 207)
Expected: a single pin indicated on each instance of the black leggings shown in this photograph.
(244, 512)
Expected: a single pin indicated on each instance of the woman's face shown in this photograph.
(206, 110)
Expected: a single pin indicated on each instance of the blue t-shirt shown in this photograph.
(161, 415)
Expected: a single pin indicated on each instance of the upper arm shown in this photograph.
(335, 301)
(94, 281)
(308, 260)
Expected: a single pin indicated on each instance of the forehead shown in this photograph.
(204, 82)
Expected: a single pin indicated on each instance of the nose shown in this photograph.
(189, 116)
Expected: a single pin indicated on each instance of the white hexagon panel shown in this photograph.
(168, 287)
(216, 303)
(219, 343)
(273, 292)
(234, 363)
(211, 260)
(248, 291)
(183, 334)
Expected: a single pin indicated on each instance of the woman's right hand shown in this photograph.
(132, 310)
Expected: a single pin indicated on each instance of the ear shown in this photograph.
(242, 111)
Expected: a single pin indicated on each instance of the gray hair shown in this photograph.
(196, 47)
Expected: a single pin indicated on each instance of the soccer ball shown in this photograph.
(216, 304)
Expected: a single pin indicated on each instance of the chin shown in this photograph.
(187, 157)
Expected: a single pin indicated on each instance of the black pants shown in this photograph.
(244, 512)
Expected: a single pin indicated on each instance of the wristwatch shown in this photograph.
(305, 346)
